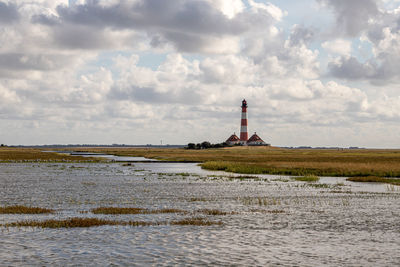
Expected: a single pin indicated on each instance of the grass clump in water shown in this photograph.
(213, 212)
(168, 210)
(24, 210)
(194, 199)
(374, 179)
(261, 201)
(76, 222)
(308, 178)
(276, 211)
(184, 174)
(117, 210)
(195, 221)
(321, 185)
(95, 222)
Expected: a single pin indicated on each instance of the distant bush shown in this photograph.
(206, 145)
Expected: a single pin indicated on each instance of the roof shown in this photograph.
(255, 138)
(233, 138)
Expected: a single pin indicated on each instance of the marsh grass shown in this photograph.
(213, 212)
(95, 222)
(24, 210)
(14, 154)
(250, 160)
(374, 179)
(275, 211)
(243, 177)
(294, 202)
(392, 188)
(281, 180)
(199, 221)
(261, 201)
(77, 222)
(88, 183)
(321, 185)
(195, 199)
(117, 210)
(308, 178)
(184, 174)
(340, 192)
(167, 210)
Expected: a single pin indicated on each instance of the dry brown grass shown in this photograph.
(11, 154)
(95, 222)
(270, 160)
(116, 210)
(76, 222)
(24, 210)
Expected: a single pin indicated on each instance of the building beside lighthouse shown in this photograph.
(254, 140)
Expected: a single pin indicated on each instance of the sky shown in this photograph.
(314, 72)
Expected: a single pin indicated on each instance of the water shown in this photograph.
(277, 221)
(112, 158)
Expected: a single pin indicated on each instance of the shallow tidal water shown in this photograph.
(275, 220)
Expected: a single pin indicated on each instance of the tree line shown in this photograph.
(206, 145)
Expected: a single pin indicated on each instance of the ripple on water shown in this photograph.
(274, 222)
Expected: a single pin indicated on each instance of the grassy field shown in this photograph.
(11, 154)
(270, 160)
(246, 160)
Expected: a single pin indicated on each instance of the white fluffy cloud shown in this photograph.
(141, 71)
(338, 46)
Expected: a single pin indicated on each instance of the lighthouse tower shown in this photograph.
(244, 139)
(243, 126)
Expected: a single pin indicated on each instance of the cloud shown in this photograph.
(376, 27)
(111, 71)
(380, 69)
(338, 46)
(350, 68)
(18, 61)
(301, 35)
(190, 26)
(8, 13)
(353, 16)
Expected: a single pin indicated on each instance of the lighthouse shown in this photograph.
(243, 125)
(244, 139)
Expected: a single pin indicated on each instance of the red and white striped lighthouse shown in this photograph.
(243, 126)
